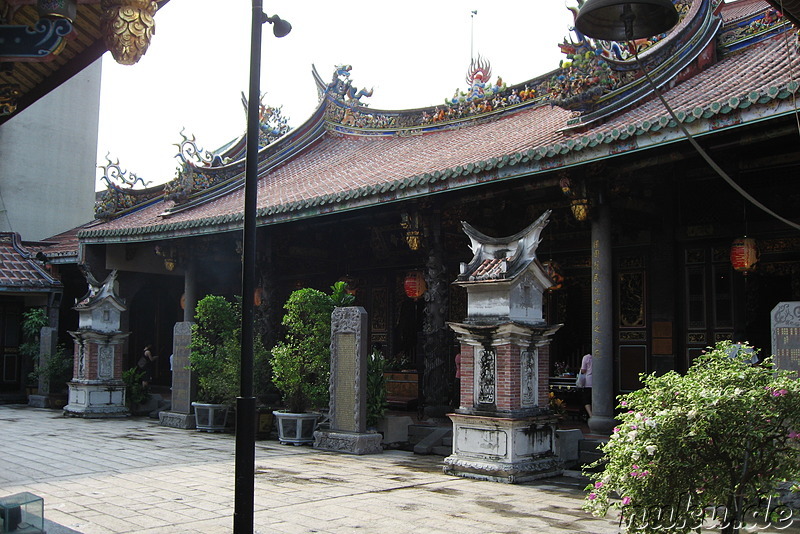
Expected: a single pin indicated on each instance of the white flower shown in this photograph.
(651, 449)
(635, 455)
(632, 435)
(692, 414)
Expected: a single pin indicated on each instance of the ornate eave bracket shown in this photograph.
(45, 40)
(128, 27)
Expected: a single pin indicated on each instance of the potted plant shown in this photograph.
(215, 359)
(301, 362)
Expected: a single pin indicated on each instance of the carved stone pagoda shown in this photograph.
(503, 429)
(97, 389)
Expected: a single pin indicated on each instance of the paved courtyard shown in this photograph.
(132, 475)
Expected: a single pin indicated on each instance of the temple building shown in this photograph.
(49, 111)
(654, 252)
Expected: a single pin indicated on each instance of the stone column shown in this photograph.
(48, 338)
(602, 420)
(436, 386)
(189, 291)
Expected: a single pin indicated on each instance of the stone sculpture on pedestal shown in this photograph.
(503, 429)
(97, 389)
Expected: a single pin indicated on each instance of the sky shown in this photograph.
(413, 54)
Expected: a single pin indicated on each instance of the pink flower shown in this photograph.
(592, 496)
(598, 484)
(794, 435)
(626, 501)
(623, 403)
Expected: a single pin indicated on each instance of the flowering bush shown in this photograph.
(715, 442)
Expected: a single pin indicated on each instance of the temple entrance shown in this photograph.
(13, 370)
(154, 310)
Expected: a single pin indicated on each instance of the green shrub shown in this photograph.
(135, 391)
(56, 370)
(216, 350)
(722, 436)
(301, 363)
(376, 388)
(33, 321)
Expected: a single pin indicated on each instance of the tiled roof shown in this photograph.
(61, 248)
(490, 269)
(742, 8)
(342, 171)
(18, 271)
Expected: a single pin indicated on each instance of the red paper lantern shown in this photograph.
(744, 254)
(415, 285)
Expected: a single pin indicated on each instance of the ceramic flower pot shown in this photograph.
(296, 428)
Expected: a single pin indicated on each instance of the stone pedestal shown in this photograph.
(349, 442)
(96, 391)
(503, 450)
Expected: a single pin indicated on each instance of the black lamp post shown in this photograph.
(246, 403)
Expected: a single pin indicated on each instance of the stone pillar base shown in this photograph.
(503, 450)
(600, 424)
(96, 400)
(184, 421)
(349, 442)
(55, 401)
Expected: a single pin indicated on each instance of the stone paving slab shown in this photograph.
(133, 476)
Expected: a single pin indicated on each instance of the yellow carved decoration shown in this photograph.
(128, 27)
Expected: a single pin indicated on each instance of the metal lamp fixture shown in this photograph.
(619, 20)
(280, 27)
(246, 403)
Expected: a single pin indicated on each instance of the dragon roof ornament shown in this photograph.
(271, 122)
(341, 87)
(120, 193)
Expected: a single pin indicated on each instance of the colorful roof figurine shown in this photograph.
(723, 66)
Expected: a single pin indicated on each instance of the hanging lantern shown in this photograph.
(66, 9)
(744, 254)
(414, 285)
(258, 296)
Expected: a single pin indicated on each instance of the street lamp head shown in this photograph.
(621, 20)
(280, 27)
